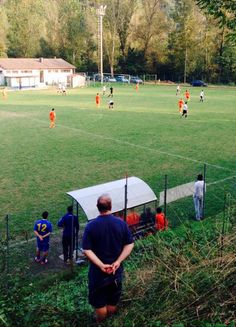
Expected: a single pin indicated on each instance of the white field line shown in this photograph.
(221, 180)
(138, 146)
(34, 238)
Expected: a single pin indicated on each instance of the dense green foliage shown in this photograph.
(173, 39)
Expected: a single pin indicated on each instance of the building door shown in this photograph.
(41, 76)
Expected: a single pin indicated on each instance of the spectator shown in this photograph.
(161, 221)
(147, 216)
(107, 242)
(132, 218)
(70, 225)
(198, 197)
(42, 230)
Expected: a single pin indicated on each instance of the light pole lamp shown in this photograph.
(100, 13)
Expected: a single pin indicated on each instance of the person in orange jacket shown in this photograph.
(161, 223)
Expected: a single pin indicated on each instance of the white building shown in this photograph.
(38, 72)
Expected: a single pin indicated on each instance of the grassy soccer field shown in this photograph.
(143, 136)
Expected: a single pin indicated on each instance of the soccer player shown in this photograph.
(59, 90)
(111, 104)
(185, 110)
(42, 230)
(63, 90)
(187, 95)
(111, 92)
(52, 117)
(180, 104)
(104, 89)
(133, 218)
(137, 87)
(201, 96)
(98, 100)
(177, 90)
(4, 94)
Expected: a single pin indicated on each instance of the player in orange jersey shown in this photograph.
(132, 218)
(187, 95)
(52, 117)
(180, 104)
(4, 94)
(161, 221)
(137, 87)
(98, 100)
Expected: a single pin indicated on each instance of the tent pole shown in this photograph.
(77, 232)
(126, 193)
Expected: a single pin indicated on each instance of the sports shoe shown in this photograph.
(36, 259)
(44, 262)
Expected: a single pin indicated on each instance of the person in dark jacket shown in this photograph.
(70, 225)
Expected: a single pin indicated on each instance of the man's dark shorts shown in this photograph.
(106, 295)
(42, 245)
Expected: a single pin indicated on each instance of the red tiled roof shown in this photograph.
(34, 63)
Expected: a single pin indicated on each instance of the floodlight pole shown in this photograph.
(101, 14)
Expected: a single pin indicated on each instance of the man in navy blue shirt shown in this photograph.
(107, 241)
(70, 225)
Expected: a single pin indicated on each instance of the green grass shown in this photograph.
(143, 136)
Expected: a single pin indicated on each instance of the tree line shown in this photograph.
(177, 40)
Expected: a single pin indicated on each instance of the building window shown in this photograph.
(15, 72)
(65, 70)
(26, 71)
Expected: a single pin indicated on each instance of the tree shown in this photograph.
(25, 27)
(3, 32)
(224, 11)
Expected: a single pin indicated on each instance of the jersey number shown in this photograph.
(41, 227)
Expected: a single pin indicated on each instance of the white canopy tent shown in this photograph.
(138, 193)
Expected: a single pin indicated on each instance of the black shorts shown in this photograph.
(185, 112)
(106, 295)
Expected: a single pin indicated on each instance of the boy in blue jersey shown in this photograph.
(42, 230)
(70, 225)
(107, 242)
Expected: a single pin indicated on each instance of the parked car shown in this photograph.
(122, 79)
(97, 78)
(198, 82)
(109, 79)
(135, 80)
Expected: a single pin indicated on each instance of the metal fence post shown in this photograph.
(204, 191)
(7, 243)
(165, 198)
